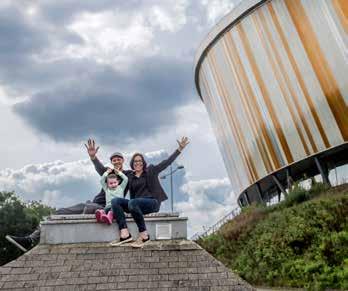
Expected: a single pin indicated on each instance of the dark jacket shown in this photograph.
(152, 172)
(100, 168)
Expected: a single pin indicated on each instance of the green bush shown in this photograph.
(297, 244)
(242, 224)
(298, 194)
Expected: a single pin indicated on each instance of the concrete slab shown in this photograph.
(82, 228)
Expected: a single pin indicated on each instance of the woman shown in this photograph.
(146, 195)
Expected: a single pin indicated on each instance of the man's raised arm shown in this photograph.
(92, 152)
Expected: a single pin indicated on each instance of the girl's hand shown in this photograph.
(109, 170)
(117, 168)
(183, 143)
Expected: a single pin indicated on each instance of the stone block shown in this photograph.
(66, 229)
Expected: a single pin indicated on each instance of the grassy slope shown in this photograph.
(301, 242)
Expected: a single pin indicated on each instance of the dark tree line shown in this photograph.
(17, 218)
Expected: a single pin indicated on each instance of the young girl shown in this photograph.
(112, 189)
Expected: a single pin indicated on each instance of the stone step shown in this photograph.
(83, 228)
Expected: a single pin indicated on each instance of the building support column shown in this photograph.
(289, 179)
(324, 172)
(259, 192)
(279, 185)
(246, 198)
(279, 195)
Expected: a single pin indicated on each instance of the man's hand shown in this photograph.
(91, 149)
(183, 143)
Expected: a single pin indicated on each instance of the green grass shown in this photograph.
(300, 242)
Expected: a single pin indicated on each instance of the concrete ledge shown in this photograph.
(83, 228)
(92, 216)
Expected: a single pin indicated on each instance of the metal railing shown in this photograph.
(215, 227)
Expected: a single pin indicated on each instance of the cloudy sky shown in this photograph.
(118, 71)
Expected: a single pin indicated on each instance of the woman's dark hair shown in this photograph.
(132, 161)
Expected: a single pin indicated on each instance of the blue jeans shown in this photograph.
(119, 206)
(107, 209)
(140, 206)
(137, 207)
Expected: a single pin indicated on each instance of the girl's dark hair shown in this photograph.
(114, 176)
(132, 161)
(111, 176)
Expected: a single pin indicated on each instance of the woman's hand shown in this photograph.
(91, 149)
(183, 143)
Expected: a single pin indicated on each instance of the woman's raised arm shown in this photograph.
(165, 163)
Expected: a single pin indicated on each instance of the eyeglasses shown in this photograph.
(138, 161)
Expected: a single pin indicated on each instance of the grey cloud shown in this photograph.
(71, 99)
(207, 202)
(22, 40)
(63, 12)
(111, 106)
(17, 34)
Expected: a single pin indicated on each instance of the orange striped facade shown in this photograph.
(275, 85)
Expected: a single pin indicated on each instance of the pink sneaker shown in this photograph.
(110, 216)
(98, 214)
(107, 218)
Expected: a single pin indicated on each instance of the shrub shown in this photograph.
(243, 223)
(300, 244)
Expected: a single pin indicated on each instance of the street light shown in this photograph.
(171, 182)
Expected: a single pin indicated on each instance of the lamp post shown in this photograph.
(171, 182)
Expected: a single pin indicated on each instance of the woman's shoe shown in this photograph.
(140, 242)
(121, 241)
(98, 214)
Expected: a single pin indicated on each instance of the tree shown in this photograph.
(17, 218)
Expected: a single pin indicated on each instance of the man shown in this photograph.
(89, 207)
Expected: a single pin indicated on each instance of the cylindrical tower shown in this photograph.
(273, 76)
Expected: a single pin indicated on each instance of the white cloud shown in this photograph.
(9, 97)
(51, 197)
(207, 202)
(59, 183)
(170, 17)
(216, 9)
(111, 37)
(119, 36)
(55, 183)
